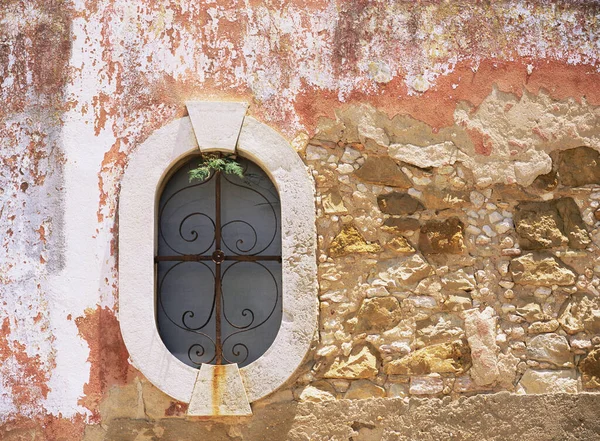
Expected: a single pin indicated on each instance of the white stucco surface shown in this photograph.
(136, 258)
(216, 125)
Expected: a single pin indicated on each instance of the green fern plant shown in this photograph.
(213, 163)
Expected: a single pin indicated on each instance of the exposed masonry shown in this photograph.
(435, 282)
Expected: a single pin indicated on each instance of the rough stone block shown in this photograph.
(581, 312)
(364, 389)
(442, 236)
(548, 381)
(382, 170)
(360, 364)
(579, 166)
(540, 270)
(399, 204)
(400, 245)
(551, 348)
(590, 369)
(445, 358)
(401, 224)
(550, 224)
(426, 385)
(349, 240)
(480, 327)
(378, 314)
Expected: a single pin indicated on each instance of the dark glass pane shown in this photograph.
(250, 214)
(185, 310)
(192, 323)
(251, 309)
(187, 215)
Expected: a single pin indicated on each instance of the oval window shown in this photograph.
(218, 265)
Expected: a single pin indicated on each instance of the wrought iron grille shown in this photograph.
(219, 266)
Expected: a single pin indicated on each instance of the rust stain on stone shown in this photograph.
(217, 388)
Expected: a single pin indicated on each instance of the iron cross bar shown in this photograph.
(216, 257)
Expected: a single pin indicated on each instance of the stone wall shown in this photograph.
(460, 285)
(454, 148)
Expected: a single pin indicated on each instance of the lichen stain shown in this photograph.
(50, 76)
(100, 104)
(108, 356)
(27, 386)
(114, 159)
(28, 375)
(42, 232)
(37, 31)
(43, 428)
(347, 36)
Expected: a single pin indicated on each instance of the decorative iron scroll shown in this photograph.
(219, 266)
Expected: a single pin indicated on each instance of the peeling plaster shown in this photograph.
(85, 82)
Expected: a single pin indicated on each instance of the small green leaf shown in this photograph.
(210, 164)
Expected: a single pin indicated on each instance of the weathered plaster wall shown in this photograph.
(489, 91)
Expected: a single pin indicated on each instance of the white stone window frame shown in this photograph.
(224, 127)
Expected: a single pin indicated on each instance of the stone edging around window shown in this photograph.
(146, 170)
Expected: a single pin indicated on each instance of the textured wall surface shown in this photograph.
(454, 148)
